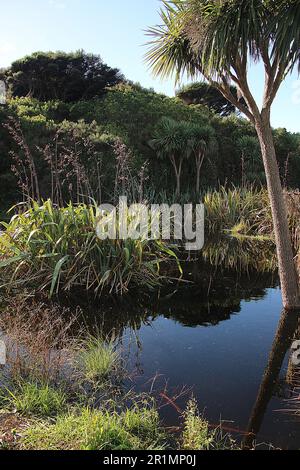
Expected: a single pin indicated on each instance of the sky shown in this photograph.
(115, 29)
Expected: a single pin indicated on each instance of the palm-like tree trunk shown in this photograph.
(287, 269)
(199, 163)
(178, 171)
(262, 122)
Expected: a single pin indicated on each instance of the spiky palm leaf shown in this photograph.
(227, 28)
(207, 36)
(287, 35)
(201, 137)
(172, 138)
(170, 51)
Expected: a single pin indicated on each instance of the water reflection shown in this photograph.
(288, 331)
(211, 298)
(212, 333)
(241, 254)
(215, 281)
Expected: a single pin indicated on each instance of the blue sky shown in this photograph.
(115, 30)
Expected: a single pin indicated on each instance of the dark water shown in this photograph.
(227, 340)
(224, 364)
(221, 336)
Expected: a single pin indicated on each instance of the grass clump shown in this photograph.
(98, 359)
(145, 424)
(97, 430)
(241, 210)
(196, 434)
(57, 249)
(40, 400)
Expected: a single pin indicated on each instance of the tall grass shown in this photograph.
(238, 210)
(57, 249)
(39, 338)
(246, 212)
(97, 358)
(33, 398)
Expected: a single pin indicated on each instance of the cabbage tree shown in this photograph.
(218, 39)
(172, 140)
(201, 142)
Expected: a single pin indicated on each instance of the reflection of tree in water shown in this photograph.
(227, 271)
(215, 299)
(286, 333)
(293, 380)
(288, 384)
(208, 298)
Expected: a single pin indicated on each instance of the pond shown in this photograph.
(219, 335)
(223, 363)
(218, 339)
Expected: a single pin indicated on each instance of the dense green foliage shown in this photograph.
(131, 115)
(204, 94)
(58, 249)
(60, 76)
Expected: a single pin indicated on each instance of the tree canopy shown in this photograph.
(67, 77)
(173, 139)
(218, 39)
(204, 94)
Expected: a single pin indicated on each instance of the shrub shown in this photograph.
(196, 435)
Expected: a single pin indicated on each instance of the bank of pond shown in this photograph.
(138, 345)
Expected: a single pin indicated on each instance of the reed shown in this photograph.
(238, 210)
(57, 249)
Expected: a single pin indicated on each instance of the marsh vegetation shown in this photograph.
(122, 344)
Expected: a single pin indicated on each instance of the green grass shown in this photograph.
(137, 429)
(98, 359)
(143, 422)
(57, 249)
(196, 434)
(241, 210)
(35, 399)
